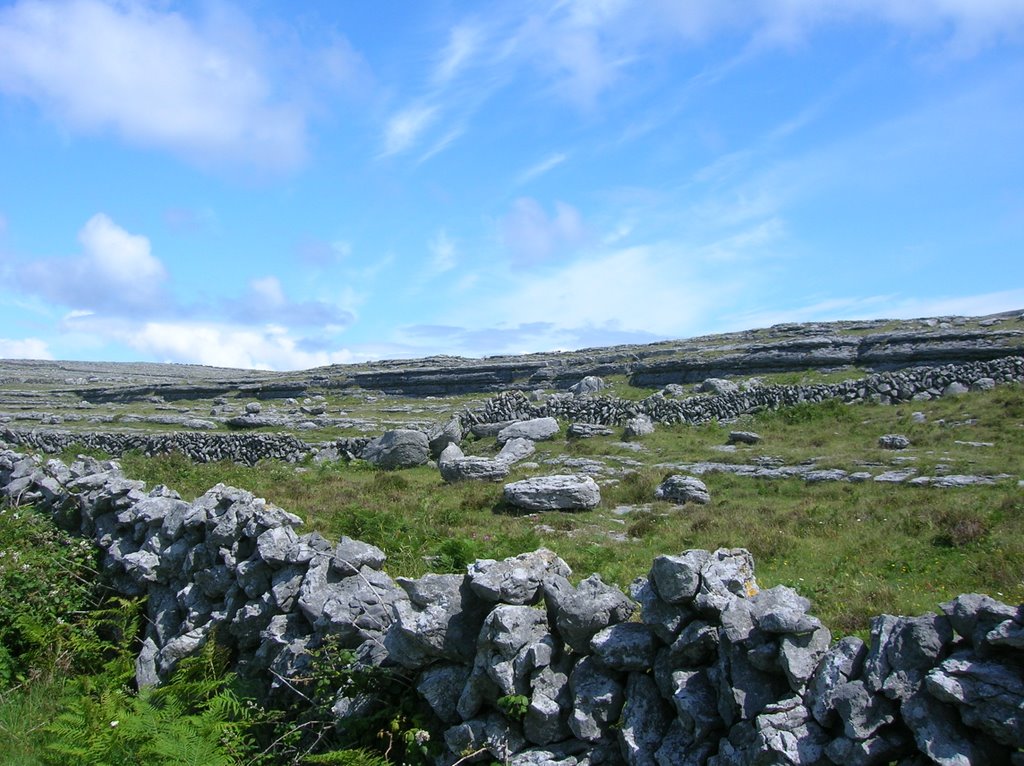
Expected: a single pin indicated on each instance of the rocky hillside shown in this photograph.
(873, 345)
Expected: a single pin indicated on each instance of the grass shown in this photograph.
(855, 549)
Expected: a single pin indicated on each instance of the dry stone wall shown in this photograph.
(696, 666)
(250, 448)
(921, 383)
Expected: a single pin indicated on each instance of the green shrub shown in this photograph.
(45, 576)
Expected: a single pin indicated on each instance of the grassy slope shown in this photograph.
(855, 549)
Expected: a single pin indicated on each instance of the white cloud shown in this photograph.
(404, 128)
(442, 252)
(26, 348)
(222, 345)
(533, 236)
(201, 88)
(535, 171)
(116, 271)
(117, 258)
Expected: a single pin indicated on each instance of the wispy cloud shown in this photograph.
(550, 162)
(404, 128)
(464, 40)
(442, 252)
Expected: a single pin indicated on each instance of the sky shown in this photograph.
(288, 185)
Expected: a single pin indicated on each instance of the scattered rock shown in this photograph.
(683, 489)
(893, 441)
(562, 492)
(401, 448)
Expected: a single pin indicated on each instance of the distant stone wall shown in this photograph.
(920, 383)
(697, 666)
(250, 448)
(201, 447)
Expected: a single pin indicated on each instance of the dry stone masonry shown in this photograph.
(697, 666)
(505, 413)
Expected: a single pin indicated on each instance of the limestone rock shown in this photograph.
(538, 429)
(683, 489)
(579, 613)
(640, 425)
(515, 580)
(893, 441)
(591, 384)
(564, 492)
(400, 448)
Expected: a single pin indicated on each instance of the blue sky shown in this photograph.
(287, 185)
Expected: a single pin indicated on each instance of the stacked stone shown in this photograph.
(917, 384)
(517, 664)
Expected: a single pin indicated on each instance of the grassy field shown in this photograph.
(855, 549)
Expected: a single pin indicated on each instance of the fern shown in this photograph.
(355, 757)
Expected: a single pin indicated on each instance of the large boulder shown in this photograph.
(641, 425)
(563, 492)
(536, 430)
(589, 385)
(401, 448)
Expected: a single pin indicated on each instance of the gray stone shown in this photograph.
(988, 694)
(352, 555)
(941, 736)
(665, 619)
(441, 436)
(718, 386)
(278, 546)
(643, 722)
(955, 389)
(441, 620)
(456, 467)
(563, 492)
(885, 746)
(983, 384)
(893, 441)
(726, 574)
(638, 426)
(799, 656)
(782, 610)
(625, 646)
(515, 450)
(902, 650)
(683, 489)
(538, 429)
(861, 712)
(579, 613)
(597, 699)
(841, 663)
(694, 698)
(440, 685)
(587, 430)
(744, 437)
(515, 580)
(677, 578)
(974, 615)
(400, 448)
(696, 645)
(546, 718)
(491, 735)
(591, 384)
